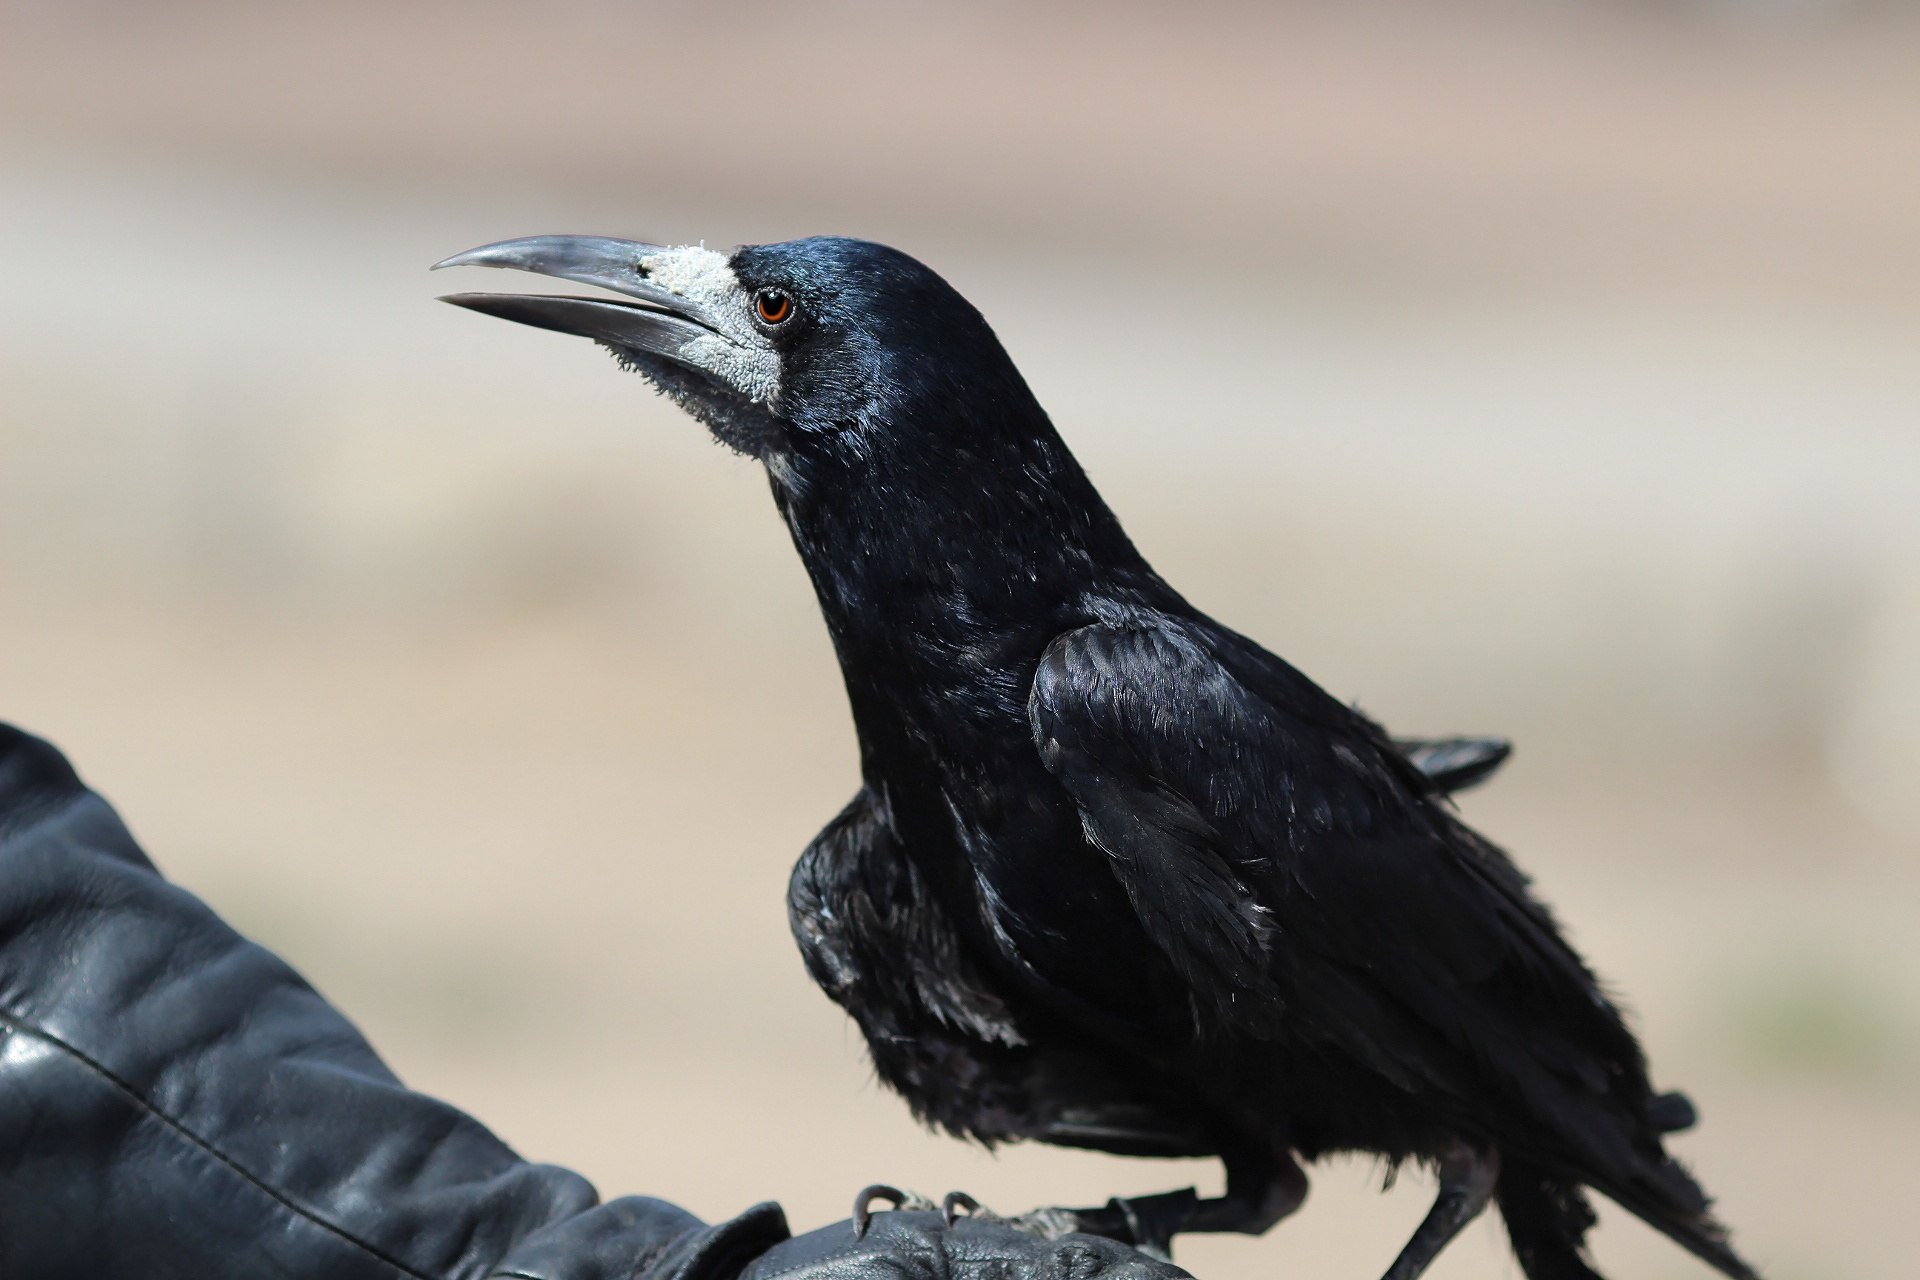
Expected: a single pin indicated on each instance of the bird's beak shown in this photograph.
(662, 320)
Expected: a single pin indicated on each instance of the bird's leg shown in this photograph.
(1262, 1188)
(1149, 1223)
(1467, 1176)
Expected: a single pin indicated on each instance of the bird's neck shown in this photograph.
(944, 570)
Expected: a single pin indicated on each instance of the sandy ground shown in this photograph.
(1543, 370)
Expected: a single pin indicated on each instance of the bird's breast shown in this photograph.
(1040, 903)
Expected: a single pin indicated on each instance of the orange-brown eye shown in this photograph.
(772, 305)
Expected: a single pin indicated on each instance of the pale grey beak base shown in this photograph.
(690, 327)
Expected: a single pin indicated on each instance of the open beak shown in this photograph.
(660, 320)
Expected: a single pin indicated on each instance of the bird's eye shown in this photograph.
(772, 306)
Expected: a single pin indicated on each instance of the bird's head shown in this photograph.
(824, 345)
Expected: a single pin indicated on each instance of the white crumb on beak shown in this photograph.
(692, 272)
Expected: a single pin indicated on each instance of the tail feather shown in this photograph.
(1548, 1218)
(1672, 1112)
(1547, 1221)
(1672, 1203)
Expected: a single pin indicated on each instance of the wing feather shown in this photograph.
(1287, 857)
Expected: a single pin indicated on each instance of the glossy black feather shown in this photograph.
(1118, 876)
(1385, 927)
(1455, 764)
(881, 946)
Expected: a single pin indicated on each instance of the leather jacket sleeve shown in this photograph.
(174, 1100)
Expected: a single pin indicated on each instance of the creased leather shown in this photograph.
(175, 1101)
(915, 1245)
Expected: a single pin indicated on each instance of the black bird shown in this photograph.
(1117, 876)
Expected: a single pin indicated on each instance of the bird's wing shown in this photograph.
(1281, 852)
(1101, 699)
(878, 943)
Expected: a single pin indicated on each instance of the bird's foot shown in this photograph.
(1148, 1223)
(1047, 1223)
(909, 1201)
(1153, 1221)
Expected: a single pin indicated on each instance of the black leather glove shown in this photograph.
(921, 1246)
(175, 1101)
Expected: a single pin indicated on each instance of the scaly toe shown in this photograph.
(1049, 1223)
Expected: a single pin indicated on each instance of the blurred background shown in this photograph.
(1546, 369)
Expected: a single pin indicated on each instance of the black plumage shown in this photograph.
(1117, 876)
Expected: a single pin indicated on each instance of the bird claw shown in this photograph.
(955, 1201)
(911, 1201)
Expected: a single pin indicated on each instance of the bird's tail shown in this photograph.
(1547, 1219)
